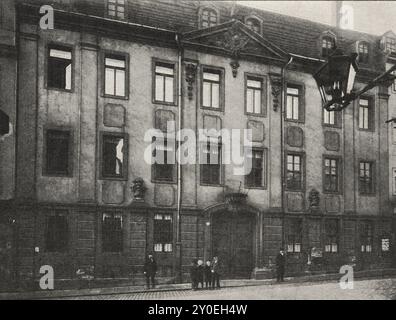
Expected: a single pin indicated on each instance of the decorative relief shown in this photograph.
(162, 117)
(114, 115)
(235, 66)
(138, 189)
(191, 72)
(295, 202)
(332, 140)
(113, 192)
(164, 195)
(314, 199)
(332, 204)
(257, 128)
(276, 89)
(295, 136)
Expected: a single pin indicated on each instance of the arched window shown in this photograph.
(209, 18)
(253, 24)
(327, 45)
(390, 44)
(363, 51)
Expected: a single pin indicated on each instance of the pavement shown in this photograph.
(184, 290)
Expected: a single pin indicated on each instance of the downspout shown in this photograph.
(179, 167)
(282, 144)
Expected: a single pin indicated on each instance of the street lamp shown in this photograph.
(336, 78)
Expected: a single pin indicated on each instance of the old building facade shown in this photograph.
(77, 192)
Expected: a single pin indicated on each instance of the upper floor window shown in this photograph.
(209, 18)
(253, 24)
(327, 45)
(256, 177)
(366, 115)
(211, 88)
(112, 232)
(293, 104)
(58, 152)
(390, 44)
(163, 233)
(164, 83)
(366, 184)
(114, 155)
(331, 235)
(116, 8)
(59, 68)
(211, 158)
(254, 95)
(331, 181)
(294, 173)
(164, 167)
(57, 233)
(115, 75)
(363, 50)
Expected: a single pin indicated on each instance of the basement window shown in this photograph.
(59, 68)
(163, 233)
(112, 232)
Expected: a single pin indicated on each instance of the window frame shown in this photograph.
(257, 20)
(214, 70)
(124, 175)
(372, 191)
(329, 236)
(58, 213)
(200, 16)
(123, 233)
(154, 62)
(390, 40)
(154, 179)
(263, 95)
(337, 119)
(171, 233)
(326, 51)
(115, 55)
(370, 113)
(365, 57)
(338, 160)
(70, 169)
(302, 170)
(301, 101)
(297, 237)
(115, 10)
(62, 47)
(264, 168)
(366, 239)
(203, 144)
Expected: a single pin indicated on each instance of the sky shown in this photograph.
(375, 17)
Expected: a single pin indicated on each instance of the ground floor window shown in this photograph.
(163, 233)
(366, 236)
(331, 235)
(385, 244)
(294, 235)
(112, 232)
(57, 233)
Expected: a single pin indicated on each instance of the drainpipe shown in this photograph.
(179, 167)
(282, 116)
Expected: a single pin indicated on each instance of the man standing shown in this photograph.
(150, 269)
(280, 265)
(215, 273)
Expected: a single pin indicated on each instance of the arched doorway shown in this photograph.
(233, 239)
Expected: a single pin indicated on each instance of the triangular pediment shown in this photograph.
(234, 38)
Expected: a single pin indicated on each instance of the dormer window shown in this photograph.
(116, 9)
(363, 51)
(390, 45)
(209, 18)
(253, 24)
(327, 45)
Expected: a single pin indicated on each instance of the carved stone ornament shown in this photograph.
(234, 40)
(138, 189)
(276, 89)
(235, 66)
(314, 199)
(191, 71)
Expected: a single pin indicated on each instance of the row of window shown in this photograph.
(59, 76)
(363, 49)
(114, 147)
(57, 233)
(331, 236)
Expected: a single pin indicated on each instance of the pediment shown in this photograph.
(235, 39)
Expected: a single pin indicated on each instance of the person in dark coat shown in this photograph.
(215, 269)
(150, 269)
(200, 274)
(280, 265)
(208, 275)
(194, 274)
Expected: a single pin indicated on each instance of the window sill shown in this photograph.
(211, 185)
(334, 126)
(295, 121)
(172, 104)
(163, 182)
(107, 96)
(335, 193)
(60, 90)
(255, 188)
(212, 109)
(367, 194)
(113, 178)
(259, 115)
(366, 130)
(57, 175)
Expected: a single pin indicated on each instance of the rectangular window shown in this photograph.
(385, 244)
(254, 92)
(366, 236)
(164, 83)
(211, 163)
(363, 53)
(114, 155)
(255, 179)
(163, 233)
(390, 45)
(294, 235)
(115, 76)
(394, 181)
(58, 153)
(112, 232)
(327, 46)
(329, 117)
(294, 172)
(365, 114)
(164, 168)
(331, 175)
(59, 68)
(116, 8)
(211, 82)
(57, 233)
(331, 236)
(366, 185)
(293, 104)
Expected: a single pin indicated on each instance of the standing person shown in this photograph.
(150, 269)
(280, 265)
(208, 275)
(215, 273)
(193, 274)
(200, 274)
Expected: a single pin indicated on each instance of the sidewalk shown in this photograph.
(186, 286)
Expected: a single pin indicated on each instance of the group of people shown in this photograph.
(207, 275)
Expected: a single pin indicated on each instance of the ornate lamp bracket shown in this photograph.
(276, 89)
(191, 72)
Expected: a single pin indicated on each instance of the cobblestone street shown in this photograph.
(373, 289)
